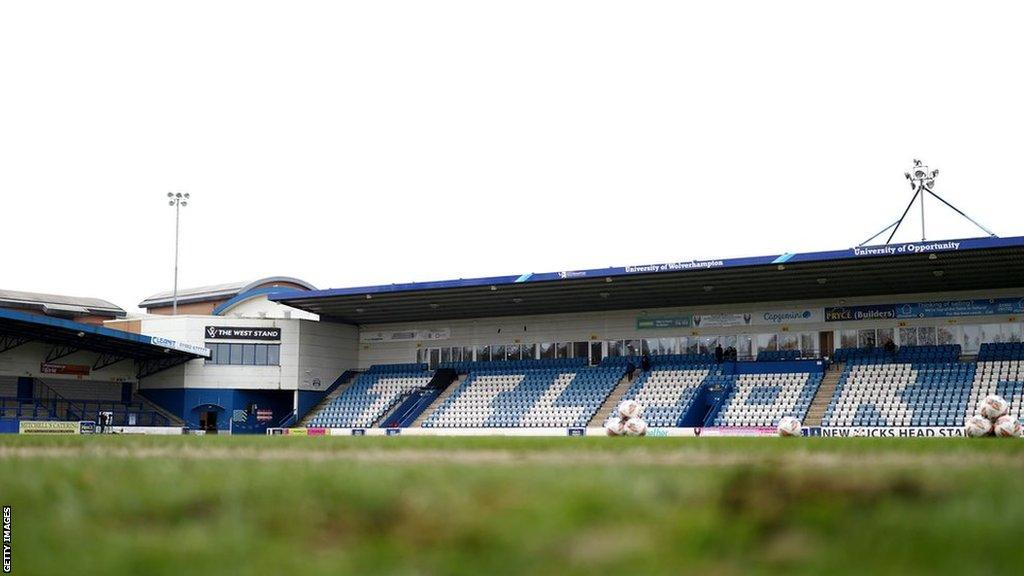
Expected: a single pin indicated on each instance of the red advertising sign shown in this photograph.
(64, 369)
(264, 415)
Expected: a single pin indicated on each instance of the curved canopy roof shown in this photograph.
(55, 305)
(218, 291)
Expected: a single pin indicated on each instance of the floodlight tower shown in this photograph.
(178, 200)
(922, 181)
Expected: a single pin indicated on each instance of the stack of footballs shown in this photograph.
(627, 421)
(993, 419)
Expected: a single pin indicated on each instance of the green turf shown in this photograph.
(307, 506)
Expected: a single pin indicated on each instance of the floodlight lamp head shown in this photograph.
(921, 175)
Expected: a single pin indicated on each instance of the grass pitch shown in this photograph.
(403, 505)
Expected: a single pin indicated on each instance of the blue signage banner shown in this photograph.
(855, 313)
(940, 309)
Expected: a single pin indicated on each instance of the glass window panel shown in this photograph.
(529, 351)
(972, 339)
(213, 353)
(632, 348)
(274, 355)
(446, 354)
(434, 358)
(866, 338)
(595, 353)
(991, 333)
(646, 348)
(926, 336)
(261, 354)
(848, 339)
(668, 345)
(884, 335)
(248, 354)
(809, 343)
(744, 344)
(765, 342)
(581, 349)
(908, 337)
(497, 352)
(944, 335)
(512, 352)
(467, 353)
(1014, 332)
(235, 354)
(562, 350)
(692, 345)
(615, 348)
(547, 350)
(483, 353)
(419, 355)
(788, 341)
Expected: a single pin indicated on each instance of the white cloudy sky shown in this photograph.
(352, 143)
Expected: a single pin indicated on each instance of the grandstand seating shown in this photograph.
(905, 354)
(526, 393)
(763, 399)
(901, 394)
(1002, 377)
(1001, 351)
(371, 395)
(667, 391)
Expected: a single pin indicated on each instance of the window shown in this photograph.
(1013, 332)
(483, 353)
(497, 352)
(789, 341)
(446, 354)
(615, 348)
(467, 353)
(809, 343)
(632, 348)
(547, 350)
(580, 349)
(562, 350)
(945, 335)
(908, 336)
(972, 339)
(245, 354)
(848, 339)
(236, 354)
(767, 342)
(866, 338)
(884, 335)
(926, 336)
(529, 351)
(744, 344)
(261, 354)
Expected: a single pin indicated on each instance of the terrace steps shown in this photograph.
(612, 400)
(325, 401)
(824, 395)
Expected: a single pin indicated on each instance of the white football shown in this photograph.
(630, 409)
(615, 426)
(1007, 427)
(977, 426)
(789, 426)
(636, 427)
(993, 407)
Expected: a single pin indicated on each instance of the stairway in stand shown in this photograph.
(824, 395)
(612, 401)
(438, 401)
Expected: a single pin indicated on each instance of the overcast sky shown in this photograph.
(354, 143)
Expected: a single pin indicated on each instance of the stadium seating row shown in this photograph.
(369, 397)
(764, 399)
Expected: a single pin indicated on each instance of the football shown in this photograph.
(789, 426)
(1007, 427)
(630, 409)
(977, 426)
(993, 406)
(636, 427)
(615, 426)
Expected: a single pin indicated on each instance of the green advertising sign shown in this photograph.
(663, 323)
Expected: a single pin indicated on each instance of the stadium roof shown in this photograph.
(54, 305)
(917, 267)
(66, 337)
(217, 292)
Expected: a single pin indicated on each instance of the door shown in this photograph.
(208, 422)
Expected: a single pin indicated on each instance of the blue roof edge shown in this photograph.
(875, 251)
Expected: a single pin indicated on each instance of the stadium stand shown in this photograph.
(917, 386)
(778, 355)
(763, 399)
(372, 395)
(667, 391)
(526, 393)
(1001, 351)
(1002, 377)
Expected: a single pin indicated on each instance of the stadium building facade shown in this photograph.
(551, 350)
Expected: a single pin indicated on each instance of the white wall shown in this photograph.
(310, 351)
(615, 325)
